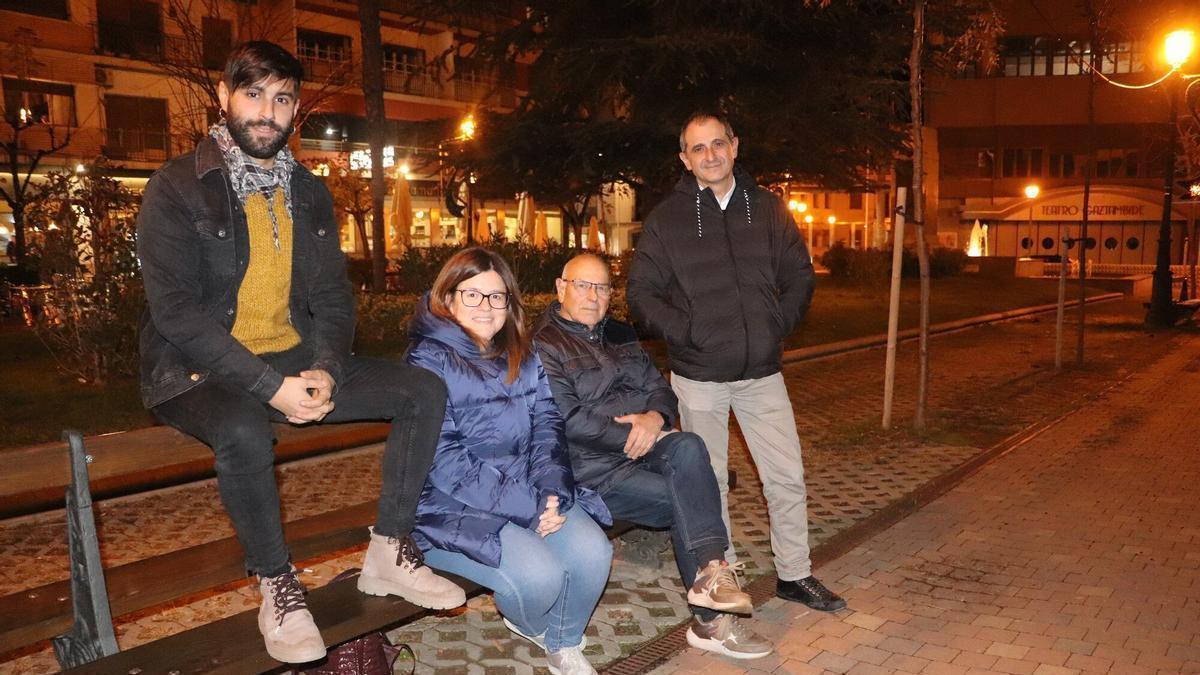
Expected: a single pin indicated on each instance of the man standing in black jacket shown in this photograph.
(619, 412)
(722, 274)
(249, 319)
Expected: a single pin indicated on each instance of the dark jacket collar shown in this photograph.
(553, 315)
(208, 157)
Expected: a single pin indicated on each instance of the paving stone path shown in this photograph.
(1078, 552)
(987, 383)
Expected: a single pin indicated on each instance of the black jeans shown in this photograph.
(238, 429)
(673, 486)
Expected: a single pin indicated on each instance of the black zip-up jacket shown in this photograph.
(723, 288)
(596, 375)
(193, 245)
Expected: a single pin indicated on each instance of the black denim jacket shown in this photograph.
(193, 245)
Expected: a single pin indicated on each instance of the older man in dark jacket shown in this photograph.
(619, 412)
(249, 320)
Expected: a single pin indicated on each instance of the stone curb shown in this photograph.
(871, 342)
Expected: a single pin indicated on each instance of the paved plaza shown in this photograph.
(1078, 552)
(1070, 552)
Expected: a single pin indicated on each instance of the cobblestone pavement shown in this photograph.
(986, 383)
(1078, 552)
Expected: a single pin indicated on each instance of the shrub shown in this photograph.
(88, 316)
(875, 265)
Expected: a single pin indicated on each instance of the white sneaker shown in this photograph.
(569, 661)
(396, 567)
(726, 635)
(539, 640)
(286, 625)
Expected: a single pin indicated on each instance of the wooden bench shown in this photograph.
(78, 613)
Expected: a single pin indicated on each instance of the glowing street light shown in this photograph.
(797, 206)
(1032, 191)
(466, 128)
(1178, 47)
(831, 220)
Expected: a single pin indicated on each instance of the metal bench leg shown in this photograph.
(92, 635)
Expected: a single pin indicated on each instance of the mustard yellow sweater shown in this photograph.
(262, 305)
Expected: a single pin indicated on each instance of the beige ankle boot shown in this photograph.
(396, 567)
(287, 627)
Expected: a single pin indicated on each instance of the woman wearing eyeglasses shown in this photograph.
(500, 506)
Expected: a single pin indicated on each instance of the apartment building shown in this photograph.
(1024, 124)
(118, 78)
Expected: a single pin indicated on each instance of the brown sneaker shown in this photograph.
(716, 587)
(396, 567)
(726, 635)
(287, 627)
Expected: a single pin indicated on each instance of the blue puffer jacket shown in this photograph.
(501, 452)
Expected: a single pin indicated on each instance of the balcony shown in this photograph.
(412, 79)
(140, 145)
(471, 87)
(41, 138)
(327, 69)
(117, 39)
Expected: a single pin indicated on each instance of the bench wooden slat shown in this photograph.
(43, 612)
(233, 645)
(34, 478)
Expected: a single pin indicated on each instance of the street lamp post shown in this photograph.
(1031, 193)
(1178, 48)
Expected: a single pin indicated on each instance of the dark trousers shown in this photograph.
(238, 429)
(673, 486)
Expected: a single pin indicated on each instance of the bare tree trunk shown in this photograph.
(372, 77)
(360, 222)
(918, 206)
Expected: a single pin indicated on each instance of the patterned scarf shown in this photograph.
(248, 177)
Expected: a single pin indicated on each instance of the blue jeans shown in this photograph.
(544, 585)
(673, 486)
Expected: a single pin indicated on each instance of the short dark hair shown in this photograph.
(513, 338)
(259, 60)
(701, 116)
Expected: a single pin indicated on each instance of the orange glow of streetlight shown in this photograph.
(831, 220)
(1178, 47)
(797, 206)
(1032, 191)
(466, 128)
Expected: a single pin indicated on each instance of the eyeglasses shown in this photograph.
(602, 290)
(474, 298)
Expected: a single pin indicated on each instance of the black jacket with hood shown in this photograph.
(722, 287)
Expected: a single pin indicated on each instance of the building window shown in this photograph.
(1024, 57)
(1117, 163)
(1036, 56)
(54, 9)
(856, 201)
(1021, 163)
(326, 56)
(218, 41)
(1068, 56)
(1062, 165)
(137, 128)
(404, 71)
(130, 28)
(1122, 57)
(29, 102)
